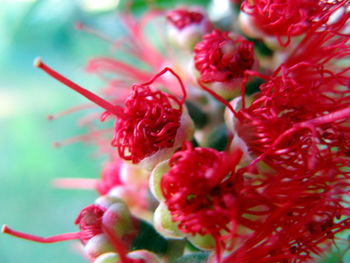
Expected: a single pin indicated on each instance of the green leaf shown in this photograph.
(149, 239)
(253, 86)
(199, 118)
(218, 139)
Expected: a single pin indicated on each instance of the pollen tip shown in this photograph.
(37, 62)
(3, 228)
(78, 25)
(57, 144)
(50, 117)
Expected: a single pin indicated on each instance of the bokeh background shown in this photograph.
(28, 160)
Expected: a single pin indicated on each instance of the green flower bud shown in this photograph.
(204, 242)
(107, 258)
(118, 218)
(106, 201)
(156, 177)
(98, 245)
(146, 255)
(164, 224)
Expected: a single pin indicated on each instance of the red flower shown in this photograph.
(223, 57)
(90, 222)
(195, 193)
(149, 122)
(304, 106)
(286, 17)
(182, 18)
(96, 220)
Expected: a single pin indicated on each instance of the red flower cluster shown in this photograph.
(290, 202)
(286, 18)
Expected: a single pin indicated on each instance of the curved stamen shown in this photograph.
(58, 238)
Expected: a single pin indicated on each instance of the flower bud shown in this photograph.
(106, 201)
(97, 246)
(119, 219)
(145, 255)
(164, 224)
(107, 258)
(156, 177)
(205, 242)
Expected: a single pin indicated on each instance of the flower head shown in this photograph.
(152, 120)
(182, 18)
(194, 191)
(187, 26)
(150, 123)
(223, 58)
(90, 222)
(286, 18)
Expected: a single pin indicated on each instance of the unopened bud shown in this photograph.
(145, 255)
(107, 258)
(204, 242)
(156, 177)
(164, 224)
(118, 218)
(106, 201)
(98, 245)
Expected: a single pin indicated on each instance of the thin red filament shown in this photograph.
(116, 110)
(52, 239)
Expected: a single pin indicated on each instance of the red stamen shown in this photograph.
(166, 69)
(82, 27)
(116, 110)
(75, 183)
(117, 244)
(58, 238)
(218, 97)
(82, 138)
(309, 124)
(69, 111)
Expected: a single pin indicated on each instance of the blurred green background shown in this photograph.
(28, 161)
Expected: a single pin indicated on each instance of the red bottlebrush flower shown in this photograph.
(182, 18)
(222, 57)
(150, 122)
(304, 209)
(194, 193)
(303, 107)
(286, 18)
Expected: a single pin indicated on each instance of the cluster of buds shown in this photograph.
(233, 150)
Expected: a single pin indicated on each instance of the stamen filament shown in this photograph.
(219, 98)
(116, 110)
(166, 69)
(309, 124)
(75, 183)
(58, 238)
